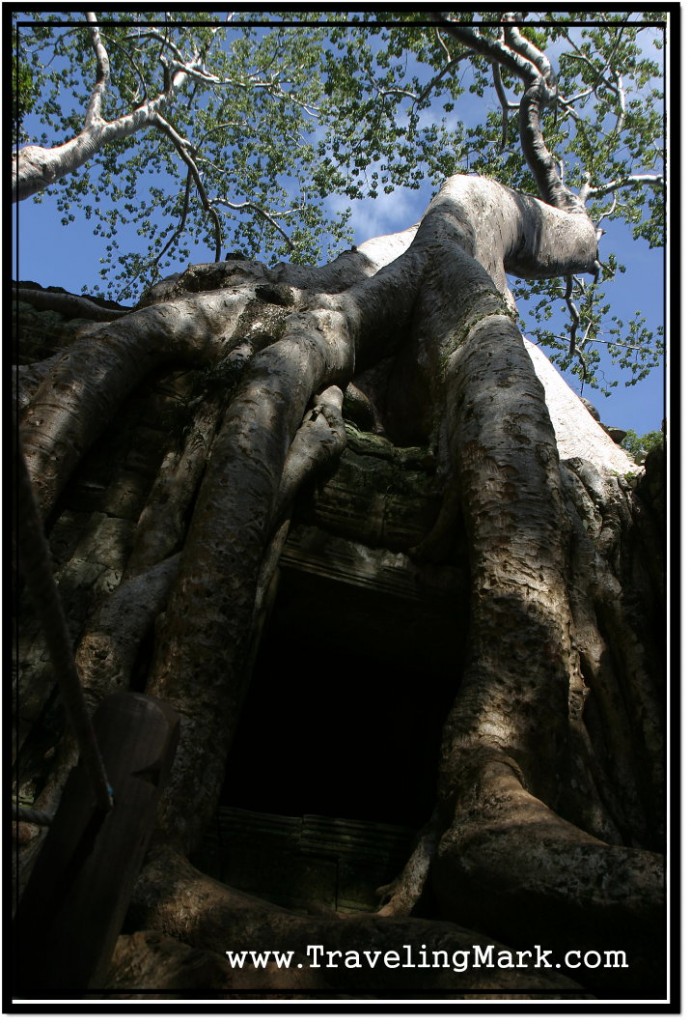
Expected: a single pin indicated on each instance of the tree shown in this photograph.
(179, 98)
(548, 826)
(158, 111)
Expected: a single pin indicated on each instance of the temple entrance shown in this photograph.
(345, 711)
(333, 767)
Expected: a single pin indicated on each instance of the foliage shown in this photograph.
(632, 347)
(25, 96)
(287, 120)
(640, 445)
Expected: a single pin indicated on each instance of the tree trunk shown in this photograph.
(213, 404)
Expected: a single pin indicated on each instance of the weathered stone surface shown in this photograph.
(312, 550)
(43, 333)
(379, 494)
(652, 486)
(311, 862)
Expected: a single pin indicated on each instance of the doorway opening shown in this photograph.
(344, 714)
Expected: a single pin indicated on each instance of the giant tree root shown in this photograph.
(185, 922)
(530, 877)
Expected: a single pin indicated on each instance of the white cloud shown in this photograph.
(390, 212)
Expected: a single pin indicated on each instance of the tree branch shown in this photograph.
(573, 310)
(602, 341)
(36, 167)
(248, 205)
(182, 147)
(526, 61)
(505, 105)
(621, 97)
(176, 234)
(493, 49)
(166, 43)
(576, 346)
(95, 105)
(453, 61)
(141, 88)
(588, 190)
(615, 87)
(518, 43)
(610, 210)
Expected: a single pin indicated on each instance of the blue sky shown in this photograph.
(69, 256)
(51, 253)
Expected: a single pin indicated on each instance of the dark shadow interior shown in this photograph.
(344, 713)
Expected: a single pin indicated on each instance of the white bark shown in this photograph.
(34, 168)
(578, 435)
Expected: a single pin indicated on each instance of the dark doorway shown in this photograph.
(344, 713)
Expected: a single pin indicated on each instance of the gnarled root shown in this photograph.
(184, 923)
(399, 897)
(532, 878)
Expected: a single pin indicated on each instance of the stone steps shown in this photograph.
(311, 862)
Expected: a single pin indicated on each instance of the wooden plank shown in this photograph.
(75, 902)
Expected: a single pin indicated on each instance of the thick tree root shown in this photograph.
(400, 897)
(184, 923)
(531, 877)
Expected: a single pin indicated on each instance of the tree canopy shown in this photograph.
(247, 416)
(254, 132)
